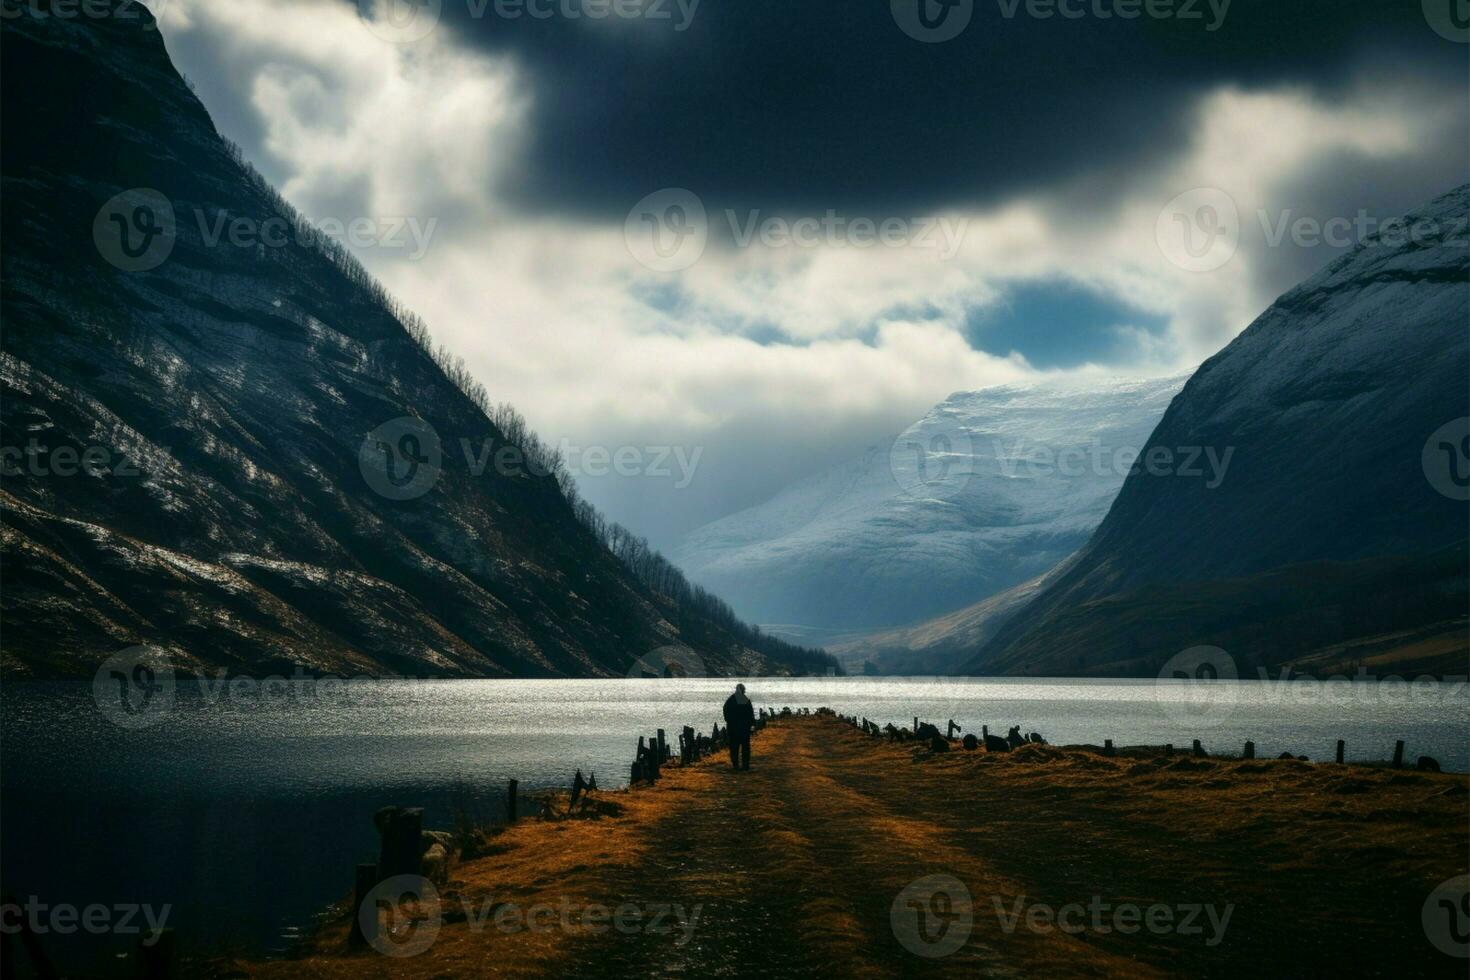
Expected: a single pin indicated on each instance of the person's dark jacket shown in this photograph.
(739, 718)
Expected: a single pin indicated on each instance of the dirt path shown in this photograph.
(796, 865)
(841, 855)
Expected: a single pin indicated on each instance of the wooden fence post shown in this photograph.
(1341, 745)
(579, 787)
(1398, 754)
(1250, 751)
(1108, 747)
(362, 886)
(400, 847)
(156, 960)
(663, 747)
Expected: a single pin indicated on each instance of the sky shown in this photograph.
(744, 240)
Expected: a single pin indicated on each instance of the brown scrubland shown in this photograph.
(818, 860)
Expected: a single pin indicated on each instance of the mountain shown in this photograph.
(989, 490)
(1339, 534)
(934, 646)
(223, 438)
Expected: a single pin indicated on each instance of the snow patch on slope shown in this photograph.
(990, 489)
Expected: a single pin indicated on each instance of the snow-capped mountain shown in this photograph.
(989, 490)
(1339, 532)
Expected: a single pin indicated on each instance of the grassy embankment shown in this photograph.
(795, 866)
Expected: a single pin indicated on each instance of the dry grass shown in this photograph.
(795, 864)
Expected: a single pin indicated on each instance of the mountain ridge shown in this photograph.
(236, 391)
(1331, 399)
(988, 490)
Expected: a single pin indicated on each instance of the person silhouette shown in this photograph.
(739, 719)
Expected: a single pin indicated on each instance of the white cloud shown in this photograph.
(555, 315)
(352, 121)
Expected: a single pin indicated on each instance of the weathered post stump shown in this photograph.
(401, 846)
(1398, 754)
(1249, 751)
(579, 787)
(1108, 747)
(1341, 746)
(362, 886)
(155, 956)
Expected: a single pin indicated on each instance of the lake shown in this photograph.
(244, 808)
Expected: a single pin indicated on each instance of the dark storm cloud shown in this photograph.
(802, 105)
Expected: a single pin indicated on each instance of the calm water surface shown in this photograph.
(246, 810)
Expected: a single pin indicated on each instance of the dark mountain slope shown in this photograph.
(1338, 516)
(240, 381)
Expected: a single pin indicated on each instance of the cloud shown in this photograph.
(350, 123)
(805, 106)
(776, 359)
